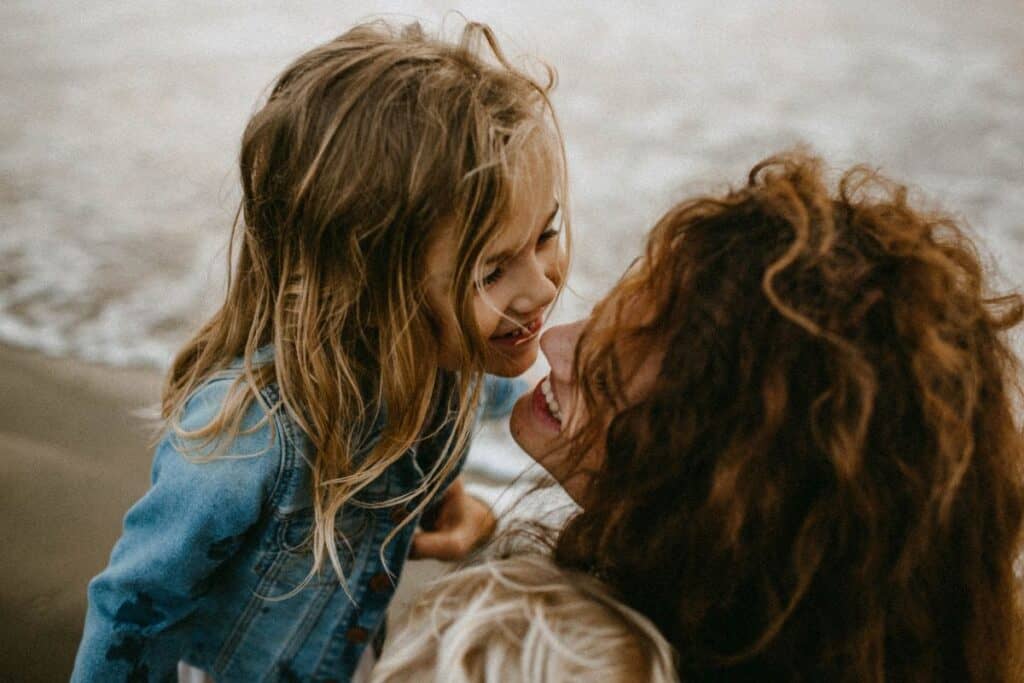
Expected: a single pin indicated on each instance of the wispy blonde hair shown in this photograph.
(523, 619)
(366, 147)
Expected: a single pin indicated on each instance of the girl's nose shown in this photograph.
(559, 347)
(537, 290)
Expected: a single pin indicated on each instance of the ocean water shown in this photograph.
(120, 125)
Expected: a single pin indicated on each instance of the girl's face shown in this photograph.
(519, 276)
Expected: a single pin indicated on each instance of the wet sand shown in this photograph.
(74, 460)
(75, 457)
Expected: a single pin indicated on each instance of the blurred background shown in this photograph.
(121, 124)
(119, 132)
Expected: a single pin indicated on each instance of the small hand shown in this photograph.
(461, 524)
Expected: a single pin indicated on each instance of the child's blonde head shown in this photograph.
(366, 148)
(523, 619)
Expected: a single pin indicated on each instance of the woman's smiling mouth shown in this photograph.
(545, 404)
(552, 401)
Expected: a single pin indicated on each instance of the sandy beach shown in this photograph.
(74, 460)
(75, 456)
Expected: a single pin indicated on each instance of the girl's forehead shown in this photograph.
(533, 187)
(533, 182)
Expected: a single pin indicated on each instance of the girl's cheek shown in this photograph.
(560, 264)
(487, 319)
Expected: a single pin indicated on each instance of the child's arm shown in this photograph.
(459, 524)
(193, 518)
(456, 522)
(500, 394)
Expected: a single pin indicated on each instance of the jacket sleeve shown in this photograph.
(500, 394)
(193, 518)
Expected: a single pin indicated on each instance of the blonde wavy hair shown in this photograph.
(522, 618)
(366, 148)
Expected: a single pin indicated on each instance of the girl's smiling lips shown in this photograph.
(519, 335)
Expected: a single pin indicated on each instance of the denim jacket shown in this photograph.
(208, 564)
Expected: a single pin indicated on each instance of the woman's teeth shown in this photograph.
(549, 396)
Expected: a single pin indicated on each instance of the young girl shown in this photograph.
(398, 239)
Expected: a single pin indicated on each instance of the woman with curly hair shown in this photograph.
(791, 430)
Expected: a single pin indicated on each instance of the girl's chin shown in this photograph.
(514, 363)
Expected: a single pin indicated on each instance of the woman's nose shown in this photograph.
(559, 347)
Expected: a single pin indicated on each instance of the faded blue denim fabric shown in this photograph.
(500, 394)
(210, 561)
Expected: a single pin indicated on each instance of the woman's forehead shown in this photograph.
(622, 326)
(621, 322)
(630, 303)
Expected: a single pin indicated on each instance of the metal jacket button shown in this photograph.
(399, 513)
(380, 582)
(357, 634)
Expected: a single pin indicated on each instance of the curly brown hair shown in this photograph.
(825, 480)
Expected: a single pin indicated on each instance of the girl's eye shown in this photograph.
(547, 235)
(492, 277)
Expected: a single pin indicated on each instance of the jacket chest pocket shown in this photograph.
(295, 534)
(291, 562)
